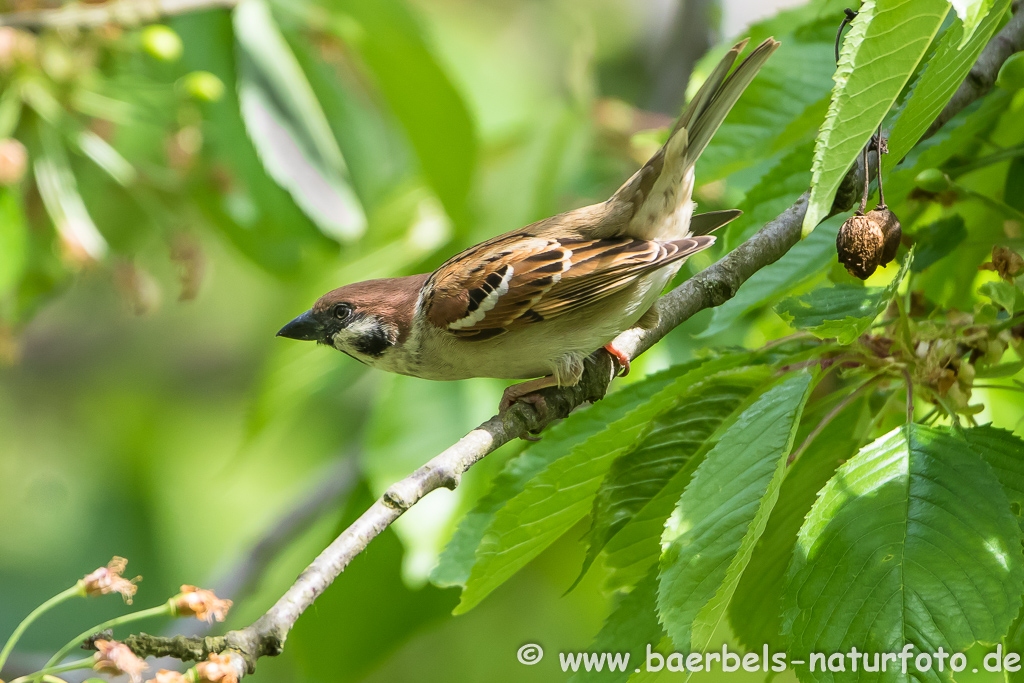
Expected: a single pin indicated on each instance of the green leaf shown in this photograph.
(805, 260)
(557, 498)
(422, 96)
(775, 192)
(1003, 294)
(1013, 192)
(288, 126)
(793, 81)
(938, 240)
(636, 547)
(630, 627)
(59, 191)
(942, 75)
(1004, 452)
(106, 157)
(1014, 642)
(973, 12)
(13, 240)
(638, 475)
(961, 137)
(842, 311)
(754, 610)
(880, 52)
(255, 213)
(711, 535)
(911, 542)
(459, 556)
(377, 153)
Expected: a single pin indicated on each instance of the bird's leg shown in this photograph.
(524, 392)
(621, 359)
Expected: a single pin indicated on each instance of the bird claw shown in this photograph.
(509, 398)
(621, 359)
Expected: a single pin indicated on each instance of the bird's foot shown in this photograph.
(621, 359)
(525, 392)
(536, 400)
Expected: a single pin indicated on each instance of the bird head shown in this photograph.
(364, 320)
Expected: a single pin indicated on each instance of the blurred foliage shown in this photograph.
(172, 192)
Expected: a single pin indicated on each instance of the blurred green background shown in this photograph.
(147, 410)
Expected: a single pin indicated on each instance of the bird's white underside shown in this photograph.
(556, 347)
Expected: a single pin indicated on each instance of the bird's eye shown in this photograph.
(342, 311)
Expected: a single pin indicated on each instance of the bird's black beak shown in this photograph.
(303, 328)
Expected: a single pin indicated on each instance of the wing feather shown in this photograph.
(519, 280)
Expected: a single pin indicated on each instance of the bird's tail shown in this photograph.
(716, 98)
(660, 191)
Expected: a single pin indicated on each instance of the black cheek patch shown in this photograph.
(373, 343)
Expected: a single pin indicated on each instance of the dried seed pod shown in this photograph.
(859, 245)
(1006, 262)
(891, 231)
(868, 241)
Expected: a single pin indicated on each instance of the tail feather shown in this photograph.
(707, 223)
(660, 192)
(705, 114)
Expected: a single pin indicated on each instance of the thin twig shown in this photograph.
(120, 12)
(839, 407)
(998, 386)
(910, 395)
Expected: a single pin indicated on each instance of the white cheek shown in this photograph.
(345, 338)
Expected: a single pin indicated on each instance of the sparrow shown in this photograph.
(533, 303)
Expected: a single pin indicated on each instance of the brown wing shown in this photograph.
(520, 279)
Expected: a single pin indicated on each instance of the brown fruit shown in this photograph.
(868, 241)
(891, 230)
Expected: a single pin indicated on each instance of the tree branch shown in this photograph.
(122, 12)
(707, 289)
(982, 75)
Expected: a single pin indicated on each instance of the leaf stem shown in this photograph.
(75, 591)
(84, 663)
(998, 386)
(910, 395)
(981, 162)
(880, 149)
(839, 407)
(160, 610)
(850, 15)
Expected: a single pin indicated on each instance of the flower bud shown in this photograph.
(203, 86)
(13, 161)
(116, 658)
(15, 47)
(162, 43)
(109, 580)
(200, 603)
(217, 669)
